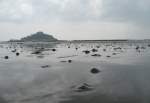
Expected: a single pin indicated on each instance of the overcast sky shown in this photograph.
(76, 19)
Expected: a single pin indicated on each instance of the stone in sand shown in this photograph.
(37, 52)
(14, 50)
(137, 48)
(86, 51)
(69, 61)
(17, 54)
(53, 50)
(95, 70)
(84, 87)
(94, 50)
(98, 46)
(114, 53)
(96, 55)
(6, 57)
(108, 56)
(45, 66)
(118, 48)
(63, 61)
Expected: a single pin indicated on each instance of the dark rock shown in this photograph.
(63, 61)
(37, 52)
(53, 50)
(86, 51)
(84, 87)
(6, 57)
(108, 56)
(69, 61)
(40, 56)
(137, 47)
(114, 53)
(17, 54)
(95, 70)
(45, 66)
(118, 48)
(104, 49)
(67, 56)
(96, 55)
(98, 46)
(14, 50)
(94, 50)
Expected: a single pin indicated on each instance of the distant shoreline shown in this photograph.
(59, 41)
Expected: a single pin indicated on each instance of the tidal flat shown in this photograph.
(75, 72)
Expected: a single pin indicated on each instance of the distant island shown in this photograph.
(37, 37)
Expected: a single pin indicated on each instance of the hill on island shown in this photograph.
(37, 37)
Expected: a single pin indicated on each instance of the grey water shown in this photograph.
(48, 77)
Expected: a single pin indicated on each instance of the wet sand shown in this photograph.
(41, 74)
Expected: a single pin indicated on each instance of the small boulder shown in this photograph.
(108, 56)
(118, 48)
(37, 52)
(69, 61)
(94, 50)
(17, 54)
(95, 70)
(63, 61)
(45, 66)
(96, 55)
(86, 51)
(84, 87)
(6, 57)
(14, 50)
(53, 50)
(114, 53)
(137, 48)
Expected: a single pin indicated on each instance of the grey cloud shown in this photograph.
(14, 11)
(45, 10)
(134, 11)
(63, 10)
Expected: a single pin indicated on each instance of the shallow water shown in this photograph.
(47, 77)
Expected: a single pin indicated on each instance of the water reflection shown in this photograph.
(49, 77)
